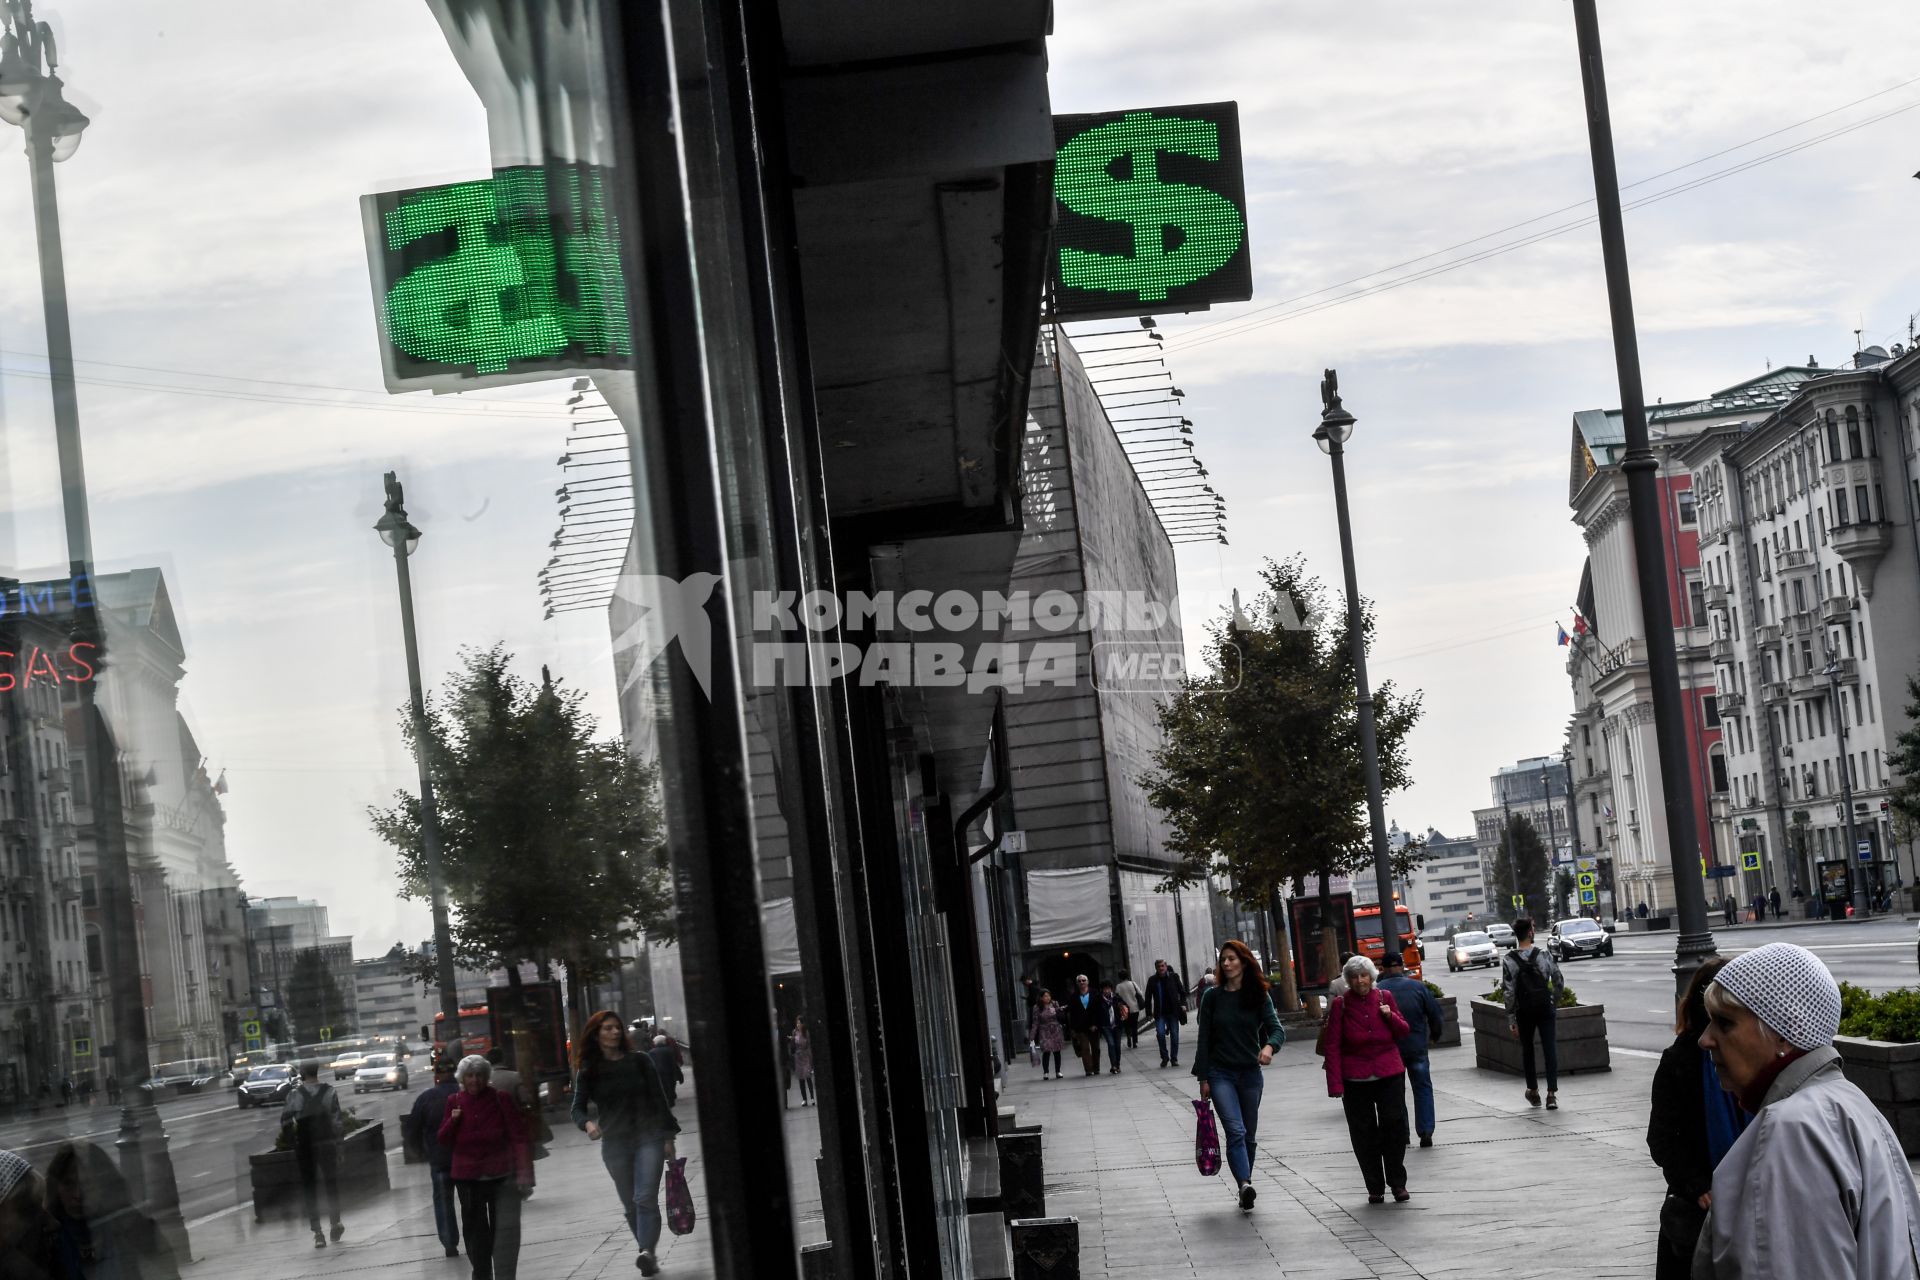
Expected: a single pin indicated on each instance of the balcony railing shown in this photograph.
(1808, 684)
(1837, 609)
(1768, 633)
(1773, 691)
(1732, 700)
(1716, 595)
(1802, 623)
(1720, 648)
(1848, 671)
(1795, 558)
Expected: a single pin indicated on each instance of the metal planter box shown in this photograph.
(1889, 1074)
(363, 1170)
(1582, 1039)
(1450, 1011)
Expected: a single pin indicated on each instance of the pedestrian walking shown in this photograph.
(1167, 1006)
(312, 1114)
(100, 1233)
(800, 1046)
(420, 1131)
(66, 1091)
(1641, 911)
(619, 1103)
(1113, 1015)
(1048, 1033)
(666, 1065)
(1531, 985)
(1426, 1022)
(492, 1165)
(1131, 996)
(1726, 910)
(1239, 1033)
(113, 1089)
(1817, 1185)
(1364, 1071)
(1773, 900)
(1692, 1126)
(1083, 1023)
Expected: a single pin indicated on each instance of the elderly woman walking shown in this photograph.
(1047, 1030)
(492, 1165)
(1365, 1072)
(1817, 1185)
(1691, 1127)
(1239, 1034)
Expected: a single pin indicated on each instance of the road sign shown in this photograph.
(509, 278)
(1587, 880)
(1013, 842)
(1750, 859)
(1865, 849)
(1151, 212)
(1519, 899)
(1588, 897)
(326, 1033)
(255, 1042)
(83, 1047)
(250, 1029)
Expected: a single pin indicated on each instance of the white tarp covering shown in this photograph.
(1153, 932)
(1065, 907)
(780, 934)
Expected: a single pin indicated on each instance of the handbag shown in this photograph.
(1206, 1139)
(679, 1198)
(1320, 1041)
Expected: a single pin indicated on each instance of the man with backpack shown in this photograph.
(1531, 984)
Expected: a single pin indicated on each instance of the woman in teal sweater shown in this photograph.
(1239, 1034)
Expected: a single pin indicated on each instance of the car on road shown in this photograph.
(245, 1063)
(348, 1064)
(1502, 935)
(267, 1085)
(1471, 951)
(190, 1076)
(381, 1071)
(1573, 939)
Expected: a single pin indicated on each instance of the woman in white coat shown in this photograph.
(1817, 1185)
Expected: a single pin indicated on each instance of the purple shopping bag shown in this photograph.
(1206, 1139)
(679, 1198)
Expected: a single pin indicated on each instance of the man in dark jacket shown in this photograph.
(1087, 1018)
(1428, 1022)
(1167, 1006)
(666, 1061)
(420, 1130)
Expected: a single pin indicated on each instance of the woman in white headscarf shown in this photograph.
(1817, 1185)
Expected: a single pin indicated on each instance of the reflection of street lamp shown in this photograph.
(1335, 429)
(30, 97)
(398, 532)
(1862, 902)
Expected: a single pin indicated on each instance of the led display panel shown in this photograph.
(1151, 212)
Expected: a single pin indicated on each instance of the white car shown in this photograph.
(1472, 950)
(380, 1071)
(1502, 935)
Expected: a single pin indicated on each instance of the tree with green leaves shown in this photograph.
(1260, 772)
(315, 1002)
(1521, 865)
(551, 839)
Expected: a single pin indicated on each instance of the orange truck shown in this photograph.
(1366, 932)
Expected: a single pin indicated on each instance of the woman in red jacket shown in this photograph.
(1365, 1072)
(492, 1166)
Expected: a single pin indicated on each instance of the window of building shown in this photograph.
(1862, 511)
(1840, 516)
(1854, 447)
(1833, 437)
(1687, 513)
(1697, 601)
(1710, 710)
(1719, 765)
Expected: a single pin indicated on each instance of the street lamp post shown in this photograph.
(31, 98)
(1862, 900)
(398, 532)
(1335, 429)
(1641, 469)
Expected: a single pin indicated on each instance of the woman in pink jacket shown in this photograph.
(1365, 1072)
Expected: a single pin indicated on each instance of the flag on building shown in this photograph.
(220, 785)
(1561, 633)
(1579, 624)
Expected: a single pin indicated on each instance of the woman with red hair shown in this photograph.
(1239, 1034)
(619, 1102)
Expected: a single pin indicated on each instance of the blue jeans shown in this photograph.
(446, 1223)
(1420, 1076)
(1236, 1097)
(637, 1165)
(1167, 1032)
(1113, 1046)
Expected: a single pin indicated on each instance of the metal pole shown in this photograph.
(1369, 746)
(1553, 846)
(1513, 865)
(1695, 943)
(429, 812)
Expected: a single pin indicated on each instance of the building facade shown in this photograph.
(1535, 789)
(1448, 888)
(1811, 582)
(305, 976)
(1617, 769)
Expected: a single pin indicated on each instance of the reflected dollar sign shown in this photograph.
(455, 309)
(1208, 227)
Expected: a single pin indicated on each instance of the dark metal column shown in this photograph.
(1643, 503)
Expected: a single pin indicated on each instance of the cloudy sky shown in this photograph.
(236, 430)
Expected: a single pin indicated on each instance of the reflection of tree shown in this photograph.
(313, 997)
(551, 841)
(1526, 873)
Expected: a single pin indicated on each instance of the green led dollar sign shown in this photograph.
(465, 308)
(1210, 228)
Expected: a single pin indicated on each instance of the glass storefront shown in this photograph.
(427, 443)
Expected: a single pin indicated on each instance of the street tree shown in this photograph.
(1904, 760)
(317, 1006)
(1260, 768)
(551, 839)
(1520, 866)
